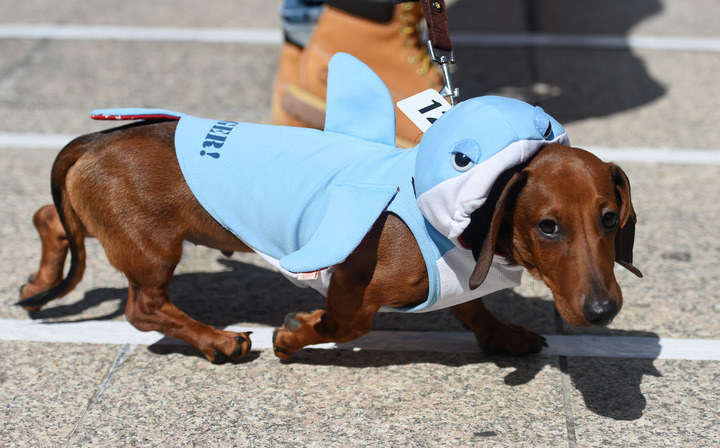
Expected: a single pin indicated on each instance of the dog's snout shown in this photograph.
(600, 313)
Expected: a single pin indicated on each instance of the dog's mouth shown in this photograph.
(464, 242)
(475, 233)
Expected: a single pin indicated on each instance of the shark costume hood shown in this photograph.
(304, 199)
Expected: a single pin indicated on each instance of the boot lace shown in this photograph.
(409, 28)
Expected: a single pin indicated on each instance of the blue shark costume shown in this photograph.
(304, 199)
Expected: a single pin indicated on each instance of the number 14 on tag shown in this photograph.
(424, 108)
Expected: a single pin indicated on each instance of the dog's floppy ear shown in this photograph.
(487, 250)
(625, 237)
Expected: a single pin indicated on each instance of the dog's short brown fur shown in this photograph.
(565, 216)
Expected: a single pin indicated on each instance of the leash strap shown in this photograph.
(439, 39)
(436, 18)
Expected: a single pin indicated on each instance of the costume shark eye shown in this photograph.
(543, 123)
(461, 162)
(548, 131)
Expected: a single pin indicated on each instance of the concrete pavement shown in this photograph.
(124, 394)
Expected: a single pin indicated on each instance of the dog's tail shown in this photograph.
(74, 229)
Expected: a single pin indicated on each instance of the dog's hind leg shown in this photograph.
(385, 270)
(496, 336)
(149, 307)
(147, 254)
(141, 210)
(54, 251)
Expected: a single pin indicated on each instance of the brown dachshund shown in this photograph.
(565, 216)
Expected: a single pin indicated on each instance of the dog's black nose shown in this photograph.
(597, 313)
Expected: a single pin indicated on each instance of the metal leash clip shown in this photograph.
(448, 91)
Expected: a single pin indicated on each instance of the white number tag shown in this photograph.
(424, 108)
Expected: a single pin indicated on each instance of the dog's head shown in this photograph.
(566, 217)
(463, 152)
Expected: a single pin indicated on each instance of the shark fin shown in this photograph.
(358, 103)
(351, 212)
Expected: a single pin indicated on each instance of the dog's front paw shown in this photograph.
(281, 350)
(514, 340)
(236, 346)
(284, 342)
(286, 338)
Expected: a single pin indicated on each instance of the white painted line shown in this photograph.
(633, 347)
(589, 41)
(28, 140)
(134, 33)
(658, 155)
(118, 332)
(274, 37)
(89, 332)
(639, 155)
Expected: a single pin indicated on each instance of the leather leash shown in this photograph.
(439, 39)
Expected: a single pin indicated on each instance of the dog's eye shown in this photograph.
(610, 220)
(461, 162)
(549, 227)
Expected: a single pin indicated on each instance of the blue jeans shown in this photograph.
(299, 18)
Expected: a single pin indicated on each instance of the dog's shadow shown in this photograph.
(250, 294)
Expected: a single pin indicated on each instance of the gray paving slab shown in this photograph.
(611, 17)
(328, 399)
(664, 18)
(492, 16)
(595, 94)
(674, 187)
(666, 403)
(653, 17)
(608, 98)
(185, 13)
(26, 171)
(56, 91)
(642, 98)
(476, 79)
(36, 11)
(45, 390)
(14, 54)
(168, 13)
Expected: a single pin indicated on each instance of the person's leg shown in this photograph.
(299, 18)
(382, 35)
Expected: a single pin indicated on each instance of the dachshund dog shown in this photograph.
(564, 215)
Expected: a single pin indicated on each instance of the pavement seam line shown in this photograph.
(123, 353)
(565, 386)
(567, 403)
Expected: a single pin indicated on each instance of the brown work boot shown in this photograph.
(392, 48)
(287, 77)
